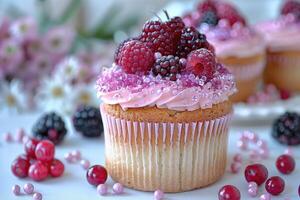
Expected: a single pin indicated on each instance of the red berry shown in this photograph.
(207, 5)
(176, 25)
(285, 164)
(38, 171)
(257, 173)
(275, 185)
(229, 192)
(45, 151)
(159, 37)
(135, 56)
(96, 175)
(228, 12)
(20, 166)
(284, 94)
(57, 168)
(201, 62)
(30, 146)
(290, 6)
(117, 52)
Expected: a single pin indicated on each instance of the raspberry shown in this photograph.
(228, 12)
(207, 5)
(190, 40)
(291, 6)
(167, 66)
(159, 37)
(176, 24)
(201, 62)
(117, 52)
(135, 57)
(209, 18)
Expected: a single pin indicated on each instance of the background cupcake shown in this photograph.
(283, 40)
(237, 45)
(166, 110)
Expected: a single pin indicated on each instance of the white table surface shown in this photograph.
(73, 185)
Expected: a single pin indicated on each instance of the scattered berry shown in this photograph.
(87, 120)
(257, 173)
(118, 188)
(285, 164)
(45, 150)
(229, 192)
(28, 188)
(16, 190)
(286, 129)
(96, 175)
(57, 168)
(38, 171)
(50, 126)
(30, 146)
(275, 185)
(209, 18)
(167, 66)
(136, 57)
(228, 12)
(201, 62)
(20, 167)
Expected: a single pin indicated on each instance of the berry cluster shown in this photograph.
(38, 162)
(291, 7)
(210, 12)
(163, 47)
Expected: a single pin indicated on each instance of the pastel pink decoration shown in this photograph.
(235, 167)
(28, 188)
(76, 155)
(7, 137)
(118, 188)
(262, 144)
(102, 189)
(237, 158)
(288, 151)
(85, 163)
(37, 196)
(266, 196)
(252, 184)
(242, 145)
(20, 134)
(158, 195)
(253, 191)
(254, 156)
(68, 157)
(264, 153)
(16, 190)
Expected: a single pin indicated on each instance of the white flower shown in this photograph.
(85, 94)
(68, 69)
(12, 97)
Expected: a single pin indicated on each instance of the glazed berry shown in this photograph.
(291, 7)
(96, 175)
(167, 66)
(87, 120)
(176, 25)
(190, 40)
(50, 126)
(257, 173)
(229, 192)
(38, 171)
(201, 62)
(285, 164)
(30, 146)
(56, 168)
(228, 12)
(136, 57)
(207, 5)
(209, 18)
(117, 52)
(275, 185)
(20, 166)
(286, 129)
(45, 150)
(159, 37)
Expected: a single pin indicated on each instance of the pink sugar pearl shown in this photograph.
(266, 196)
(237, 158)
(102, 189)
(262, 144)
(288, 151)
(37, 196)
(118, 188)
(16, 190)
(264, 153)
(28, 188)
(252, 185)
(68, 157)
(85, 163)
(158, 194)
(7, 137)
(76, 155)
(25, 139)
(251, 136)
(20, 134)
(242, 145)
(235, 167)
(253, 191)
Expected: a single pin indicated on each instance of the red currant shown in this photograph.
(257, 173)
(229, 192)
(20, 166)
(45, 150)
(275, 185)
(57, 168)
(38, 171)
(96, 175)
(285, 164)
(30, 146)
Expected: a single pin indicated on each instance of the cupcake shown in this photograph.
(283, 48)
(166, 110)
(237, 45)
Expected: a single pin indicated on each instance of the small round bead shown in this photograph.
(76, 155)
(20, 134)
(7, 137)
(237, 158)
(252, 184)
(251, 136)
(264, 153)
(28, 188)
(16, 190)
(85, 163)
(102, 189)
(288, 151)
(265, 197)
(157, 55)
(37, 196)
(242, 145)
(68, 157)
(252, 191)
(235, 167)
(118, 188)
(158, 195)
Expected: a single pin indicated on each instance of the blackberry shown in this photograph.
(209, 18)
(286, 129)
(190, 40)
(87, 120)
(50, 126)
(167, 66)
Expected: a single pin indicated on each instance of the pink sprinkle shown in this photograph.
(28, 188)
(85, 163)
(102, 189)
(252, 191)
(252, 185)
(235, 167)
(157, 55)
(37, 196)
(68, 157)
(158, 194)
(242, 145)
(16, 190)
(266, 196)
(8, 137)
(288, 151)
(76, 155)
(118, 188)
(237, 158)
(20, 135)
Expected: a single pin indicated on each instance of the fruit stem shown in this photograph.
(167, 15)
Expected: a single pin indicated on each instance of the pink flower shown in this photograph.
(24, 29)
(40, 65)
(4, 28)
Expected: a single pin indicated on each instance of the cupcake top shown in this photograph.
(169, 66)
(283, 33)
(226, 29)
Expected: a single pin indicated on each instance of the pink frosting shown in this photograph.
(187, 93)
(281, 34)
